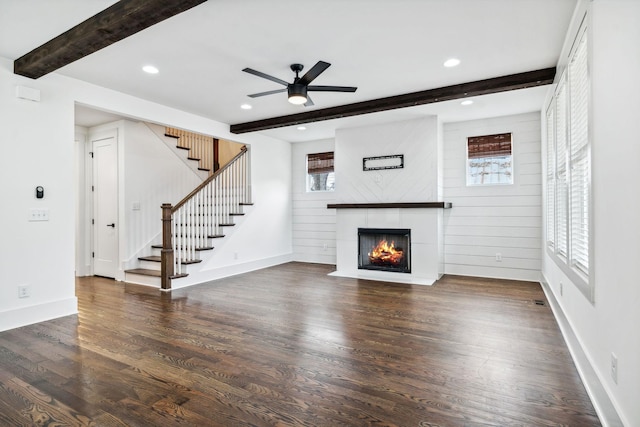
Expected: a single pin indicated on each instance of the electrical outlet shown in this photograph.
(561, 289)
(325, 247)
(24, 291)
(614, 368)
(498, 257)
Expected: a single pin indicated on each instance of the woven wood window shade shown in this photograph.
(320, 163)
(489, 146)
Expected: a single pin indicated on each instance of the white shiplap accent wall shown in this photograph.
(486, 220)
(314, 226)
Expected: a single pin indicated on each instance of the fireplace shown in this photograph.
(384, 249)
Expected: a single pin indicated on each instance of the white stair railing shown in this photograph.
(191, 223)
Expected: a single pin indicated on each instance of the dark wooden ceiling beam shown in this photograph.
(113, 24)
(464, 90)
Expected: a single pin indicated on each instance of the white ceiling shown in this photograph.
(383, 47)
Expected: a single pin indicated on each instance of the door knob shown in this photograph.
(113, 225)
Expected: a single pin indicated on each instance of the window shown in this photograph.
(489, 159)
(551, 184)
(579, 159)
(561, 168)
(320, 174)
(568, 177)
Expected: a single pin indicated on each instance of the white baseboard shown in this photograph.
(229, 270)
(24, 316)
(595, 389)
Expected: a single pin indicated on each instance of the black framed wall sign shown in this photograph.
(395, 161)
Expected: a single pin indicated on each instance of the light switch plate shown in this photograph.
(38, 214)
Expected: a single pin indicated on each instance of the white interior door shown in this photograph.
(105, 206)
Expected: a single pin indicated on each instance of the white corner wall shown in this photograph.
(610, 324)
(486, 220)
(314, 226)
(39, 150)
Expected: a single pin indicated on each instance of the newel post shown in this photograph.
(166, 257)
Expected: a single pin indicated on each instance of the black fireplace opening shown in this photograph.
(384, 249)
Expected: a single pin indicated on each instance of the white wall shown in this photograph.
(610, 324)
(38, 149)
(314, 226)
(486, 220)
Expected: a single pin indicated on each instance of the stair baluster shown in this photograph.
(188, 225)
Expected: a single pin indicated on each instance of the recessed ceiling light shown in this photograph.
(246, 107)
(150, 69)
(451, 62)
(301, 128)
(466, 102)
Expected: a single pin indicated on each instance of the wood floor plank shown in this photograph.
(292, 346)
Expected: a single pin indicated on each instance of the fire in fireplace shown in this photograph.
(384, 249)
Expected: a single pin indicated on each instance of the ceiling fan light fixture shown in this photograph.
(297, 93)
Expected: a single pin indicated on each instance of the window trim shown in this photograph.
(329, 169)
(585, 282)
(467, 158)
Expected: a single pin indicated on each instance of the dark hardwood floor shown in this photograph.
(291, 346)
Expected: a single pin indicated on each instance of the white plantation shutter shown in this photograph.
(579, 156)
(551, 184)
(561, 168)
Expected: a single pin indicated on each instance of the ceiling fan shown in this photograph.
(297, 91)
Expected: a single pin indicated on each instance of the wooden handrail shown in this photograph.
(208, 180)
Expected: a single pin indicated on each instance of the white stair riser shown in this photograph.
(142, 280)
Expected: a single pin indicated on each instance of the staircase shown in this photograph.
(191, 227)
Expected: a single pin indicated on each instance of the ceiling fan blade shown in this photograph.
(269, 92)
(265, 76)
(314, 72)
(309, 102)
(331, 88)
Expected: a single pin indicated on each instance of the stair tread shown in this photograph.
(204, 169)
(216, 236)
(153, 273)
(226, 225)
(246, 204)
(193, 158)
(155, 258)
(237, 214)
(144, 272)
(204, 248)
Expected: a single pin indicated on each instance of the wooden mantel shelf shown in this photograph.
(441, 205)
